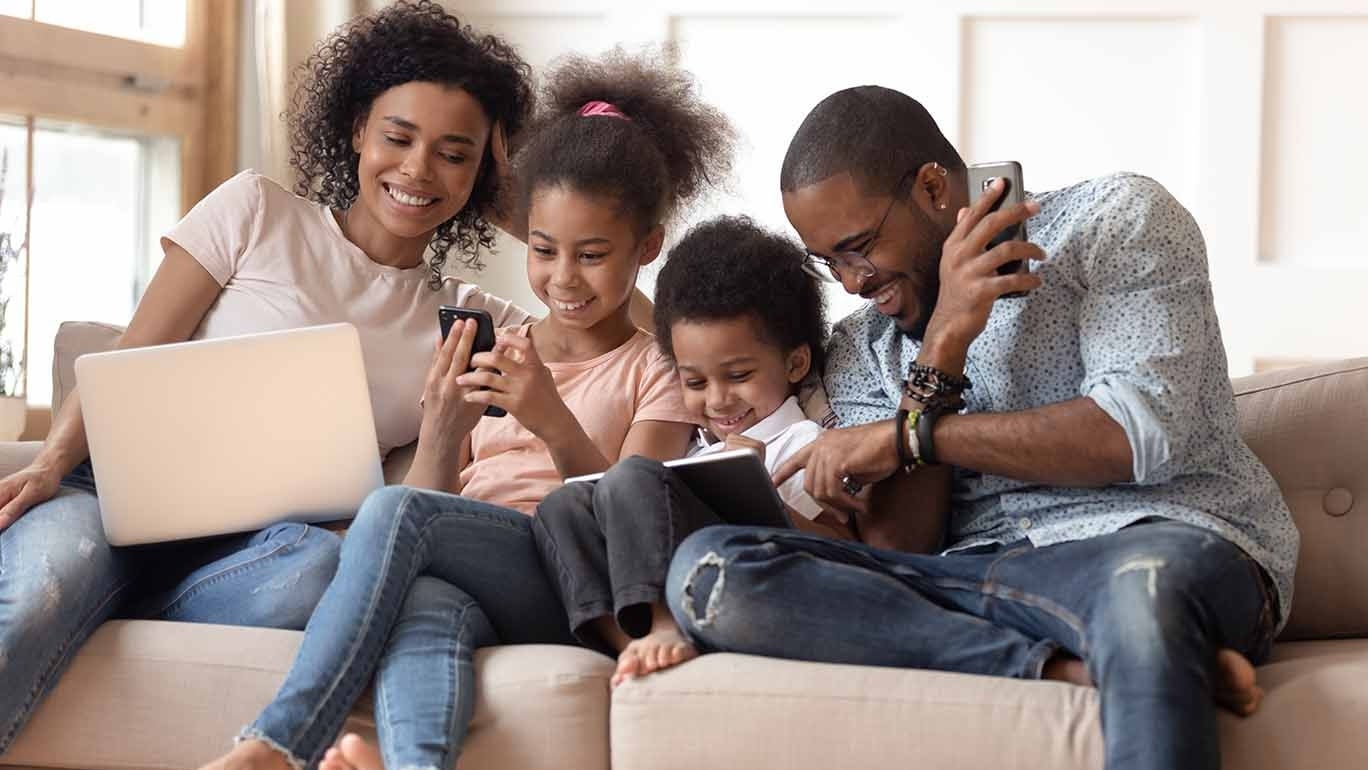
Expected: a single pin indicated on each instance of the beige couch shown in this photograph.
(169, 695)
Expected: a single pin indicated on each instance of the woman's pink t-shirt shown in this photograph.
(284, 263)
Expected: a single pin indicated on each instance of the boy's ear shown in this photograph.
(651, 245)
(799, 362)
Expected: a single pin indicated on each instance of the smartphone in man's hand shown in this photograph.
(448, 315)
(981, 176)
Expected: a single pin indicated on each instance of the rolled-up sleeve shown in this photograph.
(1147, 323)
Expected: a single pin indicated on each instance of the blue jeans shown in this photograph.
(59, 580)
(1146, 608)
(426, 578)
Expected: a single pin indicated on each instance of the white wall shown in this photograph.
(1250, 111)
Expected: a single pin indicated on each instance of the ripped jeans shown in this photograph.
(1146, 608)
(59, 580)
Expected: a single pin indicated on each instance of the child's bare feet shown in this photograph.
(352, 753)
(250, 755)
(1237, 688)
(663, 647)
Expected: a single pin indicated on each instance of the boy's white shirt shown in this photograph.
(783, 432)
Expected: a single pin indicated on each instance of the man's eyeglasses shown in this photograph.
(831, 268)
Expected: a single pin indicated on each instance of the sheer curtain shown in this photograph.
(277, 36)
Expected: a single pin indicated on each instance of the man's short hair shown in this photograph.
(875, 133)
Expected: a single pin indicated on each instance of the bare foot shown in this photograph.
(250, 755)
(1237, 688)
(352, 753)
(333, 760)
(1064, 667)
(663, 647)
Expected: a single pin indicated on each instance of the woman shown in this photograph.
(396, 125)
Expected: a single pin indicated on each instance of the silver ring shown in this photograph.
(851, 486)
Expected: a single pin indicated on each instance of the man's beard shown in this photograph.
(924, 259)
(928, 293)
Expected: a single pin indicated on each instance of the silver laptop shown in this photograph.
(229, 435)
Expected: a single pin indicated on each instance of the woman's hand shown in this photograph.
(24, 489)
(448, 413)
(520, 383)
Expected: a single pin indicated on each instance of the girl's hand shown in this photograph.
(518, 381)
(448, 414)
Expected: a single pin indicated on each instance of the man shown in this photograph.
(1104, 505)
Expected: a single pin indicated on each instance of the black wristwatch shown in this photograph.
(926, 426)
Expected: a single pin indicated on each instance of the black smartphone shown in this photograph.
(981, 175)
(484, 336)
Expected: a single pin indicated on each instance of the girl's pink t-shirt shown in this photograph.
(607, 394)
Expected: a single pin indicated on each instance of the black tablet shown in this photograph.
(734, 483)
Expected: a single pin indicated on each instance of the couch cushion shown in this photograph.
(149, 694)
(76, 338)
(737, 711)
(1310, 427)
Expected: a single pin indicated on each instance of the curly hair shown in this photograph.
(402, 43)
(730, 267)
(670, 147)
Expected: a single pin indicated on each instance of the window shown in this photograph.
(101, 153)
(150, 21)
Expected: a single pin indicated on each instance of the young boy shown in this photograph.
(744, 324)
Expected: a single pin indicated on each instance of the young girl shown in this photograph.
(394, 130)
(744, 324)
(427, 577)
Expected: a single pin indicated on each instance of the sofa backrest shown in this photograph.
(1308, 425)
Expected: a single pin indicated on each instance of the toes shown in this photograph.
(359, 754)
(629, 662)
(628, 666)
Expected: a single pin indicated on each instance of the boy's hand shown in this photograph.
(518, 381)
(738, 441)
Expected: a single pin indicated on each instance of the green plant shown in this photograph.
(9, 256)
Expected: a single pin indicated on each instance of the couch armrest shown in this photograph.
(1310, 427)
(15, 455)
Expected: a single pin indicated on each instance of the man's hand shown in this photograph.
(969, 280)
(840, 463)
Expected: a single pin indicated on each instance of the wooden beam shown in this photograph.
(214, 37)
(120, 110)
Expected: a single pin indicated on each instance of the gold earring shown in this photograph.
(941, 207)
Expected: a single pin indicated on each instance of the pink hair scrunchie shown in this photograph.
(599, 108)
